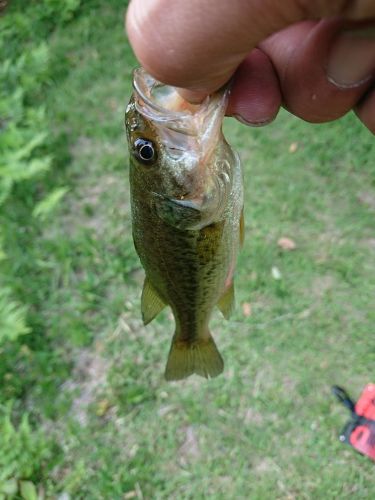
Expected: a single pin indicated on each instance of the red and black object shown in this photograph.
(359, 432)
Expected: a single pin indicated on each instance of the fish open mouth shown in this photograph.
(168, 110)
(159, 101)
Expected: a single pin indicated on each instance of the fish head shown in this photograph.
(179, 161)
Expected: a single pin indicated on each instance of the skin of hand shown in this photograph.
(316, 58)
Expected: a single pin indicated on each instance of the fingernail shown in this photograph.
(352, 58)
(257, 123)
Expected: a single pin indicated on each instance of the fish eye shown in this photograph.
(145, 150)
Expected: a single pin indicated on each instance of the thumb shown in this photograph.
(198, 44)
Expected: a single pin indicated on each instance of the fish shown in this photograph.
(186, 190)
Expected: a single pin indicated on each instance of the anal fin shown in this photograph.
(226, 302)
(151, 303)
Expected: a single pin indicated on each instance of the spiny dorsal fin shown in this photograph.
(151, 303)
(226, 302)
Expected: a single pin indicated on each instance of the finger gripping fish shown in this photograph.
(186, 198)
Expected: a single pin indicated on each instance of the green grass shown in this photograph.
(91, 376)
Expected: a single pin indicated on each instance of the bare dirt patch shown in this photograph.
(367, 199)
(321, 285)
(89, 375)
(189, 450)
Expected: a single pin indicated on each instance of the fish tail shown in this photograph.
(199, 356)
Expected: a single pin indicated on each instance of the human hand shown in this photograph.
(316, 58)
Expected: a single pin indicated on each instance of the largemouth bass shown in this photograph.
(186, 199)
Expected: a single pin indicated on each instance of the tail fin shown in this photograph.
(200, 356)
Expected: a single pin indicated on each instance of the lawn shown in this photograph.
(102, 422)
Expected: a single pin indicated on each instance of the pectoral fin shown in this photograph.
(151, 303)
(226, 303)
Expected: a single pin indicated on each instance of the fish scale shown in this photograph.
(188, 255)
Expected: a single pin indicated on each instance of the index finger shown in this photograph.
(198, 44)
